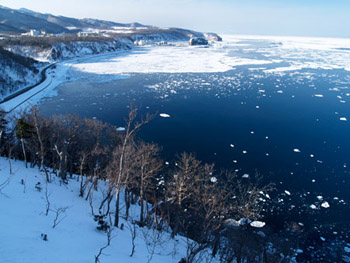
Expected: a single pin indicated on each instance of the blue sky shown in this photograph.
(327, 18)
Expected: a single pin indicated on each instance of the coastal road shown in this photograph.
(27, 95)
(22, 91)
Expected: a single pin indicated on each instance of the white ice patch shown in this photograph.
(245, 176)
(258, 224)
(169, 59)
(343, 119)
(319, 95)
(325, 204)
(164, 115)
(313, 206)
(287, 192)
(296, 150)
(213, 179)
(120, 129)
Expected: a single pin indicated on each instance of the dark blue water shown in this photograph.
(264, 116)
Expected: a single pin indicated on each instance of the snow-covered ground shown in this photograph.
(23, 220)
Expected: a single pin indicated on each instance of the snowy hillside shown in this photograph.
(16, 72)
(61, 51)
(24, 199)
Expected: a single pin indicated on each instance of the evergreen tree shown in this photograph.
(3, 123)
(23, 131)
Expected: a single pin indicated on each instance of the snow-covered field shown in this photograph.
(23, 220)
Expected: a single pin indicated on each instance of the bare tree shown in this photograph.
(148, 166)
(59, 215)
(4, 184)
(109, 240)
(132, 126)
(132, 229)
(47, 195)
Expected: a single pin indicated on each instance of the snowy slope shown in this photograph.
(63, 51)
(16, 72)
(75, 239)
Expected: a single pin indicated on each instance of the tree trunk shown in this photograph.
(116, 216)
(24, 152)
(142, 201)
(63, 163)
(41, 146)
(127, 203)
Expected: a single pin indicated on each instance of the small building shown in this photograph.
(87, 34)
(34, 32)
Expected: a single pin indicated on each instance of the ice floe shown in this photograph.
(313, 206)
(258, 224)
(164, 115)
(287, 192)
(325, 204)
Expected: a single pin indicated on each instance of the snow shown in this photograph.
(245, 176)
(258, 224)
(296, 150)
(343, 119)
(76, 238)
(164, 115)
(319, 95)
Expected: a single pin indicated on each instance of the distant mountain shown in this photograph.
(69, 22)
(20, 22)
